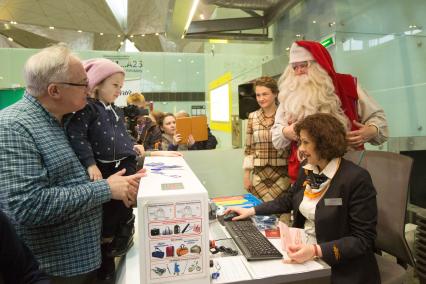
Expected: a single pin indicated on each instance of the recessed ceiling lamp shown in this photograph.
(157, 34)
(202, 16)
(191, 14)
(131, 36)
(10, 39)
(143, 35)
(101, 34)
(314, 22)
(118, 35)
(51, 28)
(80, 31)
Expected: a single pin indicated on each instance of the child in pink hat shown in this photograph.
(99, 137)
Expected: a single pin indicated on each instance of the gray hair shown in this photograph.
(182, 113)
(49, 65)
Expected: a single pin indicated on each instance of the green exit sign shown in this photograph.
(329, 41)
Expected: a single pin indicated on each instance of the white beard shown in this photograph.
(302, 96)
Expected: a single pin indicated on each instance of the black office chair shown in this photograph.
(390, 173)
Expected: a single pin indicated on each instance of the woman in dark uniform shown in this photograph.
(333, 200)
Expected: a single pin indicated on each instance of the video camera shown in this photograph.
(132, 112)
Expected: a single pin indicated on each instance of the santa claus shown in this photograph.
(310, 85)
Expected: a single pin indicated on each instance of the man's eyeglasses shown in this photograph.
(86, 85)
(303, 64)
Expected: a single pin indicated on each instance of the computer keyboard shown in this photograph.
(252, 243)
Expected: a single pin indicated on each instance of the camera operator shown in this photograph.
(143, 130)
(132, 114)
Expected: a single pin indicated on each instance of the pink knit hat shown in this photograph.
(98, 69)
(299, 54)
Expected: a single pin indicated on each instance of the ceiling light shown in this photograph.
(191, 14)
(179, 60)
(298, 35)
(156, 34)
(118, 35)
(131, 36)
(288, 48)
(201, 16)
(6, 26)
(218, 40)
(143, 35)
(198, 72)
(122, 42)
(10, 39)
(101, 34)
(13, 22)
(80, 31)
(51, 28)
(314, 22)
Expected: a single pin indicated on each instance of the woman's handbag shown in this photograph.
(182, 250)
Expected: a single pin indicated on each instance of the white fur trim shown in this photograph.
(299, 54)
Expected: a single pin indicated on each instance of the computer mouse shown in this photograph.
(229, 216)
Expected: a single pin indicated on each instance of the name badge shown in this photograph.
(333, 202)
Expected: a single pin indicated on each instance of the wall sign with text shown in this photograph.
(130, 63)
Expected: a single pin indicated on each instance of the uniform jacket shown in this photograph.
(346, 233)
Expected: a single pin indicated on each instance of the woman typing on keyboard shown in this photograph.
(333, 200)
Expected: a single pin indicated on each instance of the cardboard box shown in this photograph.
(173, 224)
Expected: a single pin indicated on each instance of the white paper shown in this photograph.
(232, 269)
(277, 267)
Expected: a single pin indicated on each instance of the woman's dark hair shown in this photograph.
(267, 82)
(327, 132)
(161, 119)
